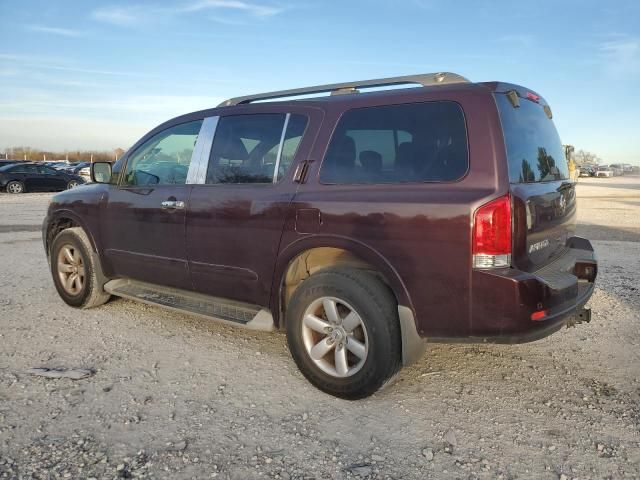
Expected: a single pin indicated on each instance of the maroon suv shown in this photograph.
(363, 224)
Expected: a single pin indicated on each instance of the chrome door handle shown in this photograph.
(173, 205)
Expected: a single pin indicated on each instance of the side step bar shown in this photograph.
(213, 308)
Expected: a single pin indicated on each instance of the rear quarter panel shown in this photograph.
(421, 232)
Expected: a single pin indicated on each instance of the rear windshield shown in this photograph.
(534, 149)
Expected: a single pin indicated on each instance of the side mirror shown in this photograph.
(101, 172)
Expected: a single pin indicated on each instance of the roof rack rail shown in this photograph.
(425, 80)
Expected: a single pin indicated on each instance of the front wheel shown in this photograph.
(343, 332)
(72, 184)
(15, 187)
(76, 272)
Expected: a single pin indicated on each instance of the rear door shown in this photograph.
(544, 198)
(51, 179)
(32, 180)
(237, 211)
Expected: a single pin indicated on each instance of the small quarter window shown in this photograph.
(417, 142)
(163, 159)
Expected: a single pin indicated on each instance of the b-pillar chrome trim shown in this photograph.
(413, 345)
(279, 156)
(200, 157)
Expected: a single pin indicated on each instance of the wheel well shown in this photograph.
(311, 261)
(56, 226)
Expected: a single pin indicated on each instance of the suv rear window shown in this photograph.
(534, 149)
(416, 142)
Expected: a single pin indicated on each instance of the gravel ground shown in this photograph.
(179, 397)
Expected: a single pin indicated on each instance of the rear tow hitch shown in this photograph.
(582, 315)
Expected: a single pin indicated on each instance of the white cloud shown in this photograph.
(65, 32)
(41, 62)
(84, 70)
(137, 14)
(621, 55)
(121, 16)
(252, 8)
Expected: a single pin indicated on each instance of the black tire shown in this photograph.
(15, 187)
(91, 293)
(377, 308)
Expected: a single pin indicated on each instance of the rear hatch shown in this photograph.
(544, 200)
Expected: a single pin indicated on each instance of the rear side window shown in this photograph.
(534, 149)
(249, 148)
(24, 169)
(417, 142)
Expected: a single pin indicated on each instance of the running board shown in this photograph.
(219, 309)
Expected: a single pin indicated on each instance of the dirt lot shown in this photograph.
(179, 397)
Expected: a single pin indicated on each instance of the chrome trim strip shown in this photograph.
(200, 156)
(279, 156)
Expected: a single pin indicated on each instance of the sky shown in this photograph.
(99, 75)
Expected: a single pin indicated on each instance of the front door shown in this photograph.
(237, 212)
(143, 225)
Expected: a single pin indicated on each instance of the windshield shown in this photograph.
(534, 149)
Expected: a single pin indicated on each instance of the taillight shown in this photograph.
(491, 246)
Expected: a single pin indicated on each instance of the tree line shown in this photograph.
(582, 157)
(40, 155)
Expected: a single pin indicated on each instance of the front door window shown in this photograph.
(163, 159)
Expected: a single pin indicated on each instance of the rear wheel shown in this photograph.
(343, 332)
(15, 187)
(76, 272)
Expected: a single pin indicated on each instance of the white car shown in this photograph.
(604, 171)
(85, 173)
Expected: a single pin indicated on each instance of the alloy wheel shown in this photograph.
(71, 270)
(335, 337)
(15, 187)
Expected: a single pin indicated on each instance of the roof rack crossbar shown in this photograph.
(425, 80)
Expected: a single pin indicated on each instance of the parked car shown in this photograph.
(35, 177)
(85, 172)
(362, 224)
(57, 164)
(617, 168)
(604, 171)
(587, 171)
(76, 168)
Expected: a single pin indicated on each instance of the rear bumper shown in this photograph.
(504, 300)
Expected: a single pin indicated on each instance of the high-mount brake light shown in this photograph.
(491, 246)
(533, 96)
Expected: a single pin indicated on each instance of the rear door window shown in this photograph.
(24, 169)
(254, 148)
(534, 149)
(417, 142)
